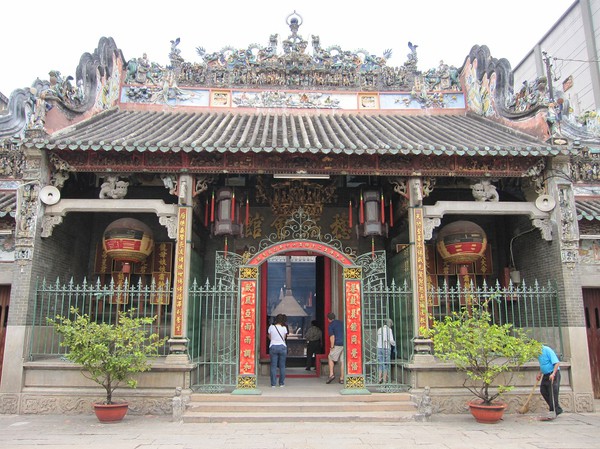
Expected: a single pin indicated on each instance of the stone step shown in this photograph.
(281, 404)
(278, 416)
(300, 406)
(272, 395)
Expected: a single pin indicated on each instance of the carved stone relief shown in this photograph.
(567, 215)
(169, 222)
(9, 404)
(28, 206)
(72, 405)
(113, 188)
(429, 225)
(545, 227)
(48, 223)
(60, 172)
(484, 190)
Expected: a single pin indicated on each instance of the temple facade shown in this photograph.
(293, 178)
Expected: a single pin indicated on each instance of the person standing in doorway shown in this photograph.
(550, 375)
(385, 341)
(336, 346)
(278, 349)
(314, 338)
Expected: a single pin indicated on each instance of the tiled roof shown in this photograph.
(347, 133)
(8, 203)
(587, 208)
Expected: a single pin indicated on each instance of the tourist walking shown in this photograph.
(336, 346)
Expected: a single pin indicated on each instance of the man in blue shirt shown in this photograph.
(336, 346)
(550, 375)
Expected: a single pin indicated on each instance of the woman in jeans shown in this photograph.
(385, 341)
(278, 349)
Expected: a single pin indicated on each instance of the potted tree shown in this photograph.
(489, 354)
(109, 354)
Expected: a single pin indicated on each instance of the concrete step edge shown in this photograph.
(300, 398)
(299, 417)
(302, 407)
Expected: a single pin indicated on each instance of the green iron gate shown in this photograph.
(383, 302)
(214, 327)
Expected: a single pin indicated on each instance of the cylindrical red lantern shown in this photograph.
(461, 242)
(128, 240)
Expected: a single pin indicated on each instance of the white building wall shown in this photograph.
(576, 56)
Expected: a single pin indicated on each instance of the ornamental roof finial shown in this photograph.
(294, 20)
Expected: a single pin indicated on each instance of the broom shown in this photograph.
(525, 408)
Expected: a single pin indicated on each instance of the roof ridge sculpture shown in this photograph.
(292, 66)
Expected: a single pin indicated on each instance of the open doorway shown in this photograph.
(296, 285)
(4, 300)
(591, 303)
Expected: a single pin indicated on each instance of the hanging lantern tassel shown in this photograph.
(247, 211)
(391, 215)
(382, 209)
(226, 247)
(361, 211)
(212, 208)
(373, 247)
(350, 214)
(206, 214)
(233, 207)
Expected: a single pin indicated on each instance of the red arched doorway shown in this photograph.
(300, 286)
(251, 291)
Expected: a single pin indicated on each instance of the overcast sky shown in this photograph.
(39, 36)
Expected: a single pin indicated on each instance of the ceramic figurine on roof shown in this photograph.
(325, 67)
(411, 58)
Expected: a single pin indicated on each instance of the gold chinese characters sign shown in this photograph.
(353, 327)
(179, 290)
(421, 267)
(248, 328)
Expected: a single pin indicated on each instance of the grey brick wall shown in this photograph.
(541, 260)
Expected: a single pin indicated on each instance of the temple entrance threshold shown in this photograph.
(252, 292)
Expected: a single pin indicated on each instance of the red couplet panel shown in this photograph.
(248, 328)
(353, 328)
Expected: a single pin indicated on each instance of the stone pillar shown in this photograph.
(569, 285)
(179, 341)
(417, 254)
(27, 223)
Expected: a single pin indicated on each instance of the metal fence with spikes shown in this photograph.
(533, 307)
(101, 302)
(213, 334)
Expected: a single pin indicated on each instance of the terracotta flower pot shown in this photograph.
(110, 412)
(487, 414)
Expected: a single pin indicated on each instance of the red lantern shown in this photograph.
(461, 242)
(128, 240)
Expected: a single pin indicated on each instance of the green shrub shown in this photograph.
(482, 350)
(110, 354)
